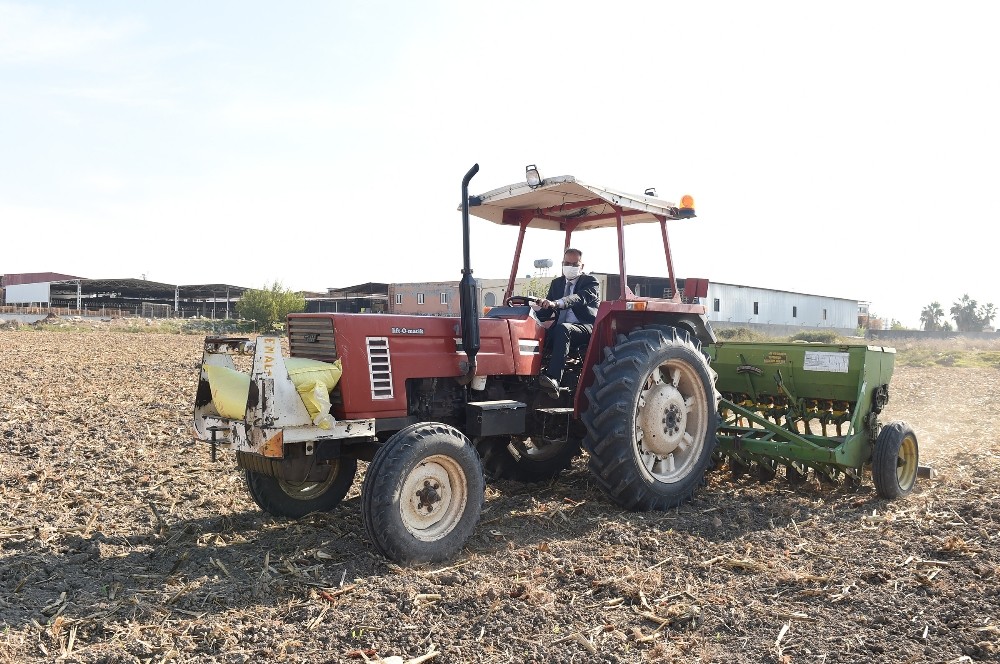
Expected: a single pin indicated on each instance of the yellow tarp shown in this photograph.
(313, 381)
(229, 390)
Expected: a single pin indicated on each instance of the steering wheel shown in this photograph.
(521, 300)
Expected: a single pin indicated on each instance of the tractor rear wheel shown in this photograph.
(280, 497)
(652, 418)
(510, 458)
(423, 494)
(895, 460)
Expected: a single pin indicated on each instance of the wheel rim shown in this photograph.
(906, 463)
(309, 490)
(671, 421)
(433, 498)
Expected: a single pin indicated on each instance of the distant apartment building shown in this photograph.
(440, 298)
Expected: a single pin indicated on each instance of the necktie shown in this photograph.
(563, 313)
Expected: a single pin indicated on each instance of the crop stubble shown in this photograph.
(121, 542)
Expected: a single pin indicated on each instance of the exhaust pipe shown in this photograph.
(467, 289)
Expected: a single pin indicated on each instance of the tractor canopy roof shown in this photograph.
(567, 204)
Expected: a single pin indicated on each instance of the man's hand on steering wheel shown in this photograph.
(522, 300)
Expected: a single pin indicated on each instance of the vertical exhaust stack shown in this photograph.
(467, 288)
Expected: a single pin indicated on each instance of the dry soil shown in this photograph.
(120, 541)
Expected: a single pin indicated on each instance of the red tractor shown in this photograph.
(436, 403)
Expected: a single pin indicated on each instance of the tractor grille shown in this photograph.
(312, 338)
(379, 367)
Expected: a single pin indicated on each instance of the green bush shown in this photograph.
(740, 334)
(817, 336)
(269, 306)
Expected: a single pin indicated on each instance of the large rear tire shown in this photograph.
(895, 460)
(652, 419)
(423, 494)
(280, 497)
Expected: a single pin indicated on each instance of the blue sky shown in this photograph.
(846, 149)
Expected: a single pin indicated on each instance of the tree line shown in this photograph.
(969, 316)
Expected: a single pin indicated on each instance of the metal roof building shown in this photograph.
(732, 305)
(119, 296)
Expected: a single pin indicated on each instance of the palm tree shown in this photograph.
(964, 313)
(987, 313)
(931, 316)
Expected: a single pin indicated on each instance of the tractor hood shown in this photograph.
(565, 203)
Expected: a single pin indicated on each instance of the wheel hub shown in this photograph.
(669, 424)
(663, 419)
(428, 496)
(906, 464)
(308, 490)
(433, 498)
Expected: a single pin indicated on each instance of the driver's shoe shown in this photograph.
(550, 385)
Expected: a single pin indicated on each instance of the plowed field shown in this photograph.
(121, 542)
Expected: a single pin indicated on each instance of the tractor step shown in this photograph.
(926, 473)
(555, 411)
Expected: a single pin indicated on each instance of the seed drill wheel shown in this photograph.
(652, 418)
(280, 497)
(508, 458)
(895, 460)
(423, 493)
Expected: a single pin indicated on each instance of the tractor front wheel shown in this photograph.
(652, 418)
(895, 460)
(423, 494)
(280, 497)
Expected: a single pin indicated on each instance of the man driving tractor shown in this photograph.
(572, 300)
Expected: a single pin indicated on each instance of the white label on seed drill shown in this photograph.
(822, 361)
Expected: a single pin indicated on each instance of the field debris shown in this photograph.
(122, 542)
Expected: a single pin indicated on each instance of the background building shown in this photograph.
(728, 305)
(371, 297)
(69, 295)
(784, 312)
(29, 288)
(441, 298)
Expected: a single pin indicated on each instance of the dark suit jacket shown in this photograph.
(583, 301)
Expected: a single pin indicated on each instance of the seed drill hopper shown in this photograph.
(807, 405)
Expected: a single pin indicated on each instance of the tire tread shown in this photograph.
(609, 439)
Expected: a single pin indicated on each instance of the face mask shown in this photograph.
(571, 272)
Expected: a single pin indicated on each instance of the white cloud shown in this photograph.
(258, 114)
(135, 94)
(35, 34)
(105, 183)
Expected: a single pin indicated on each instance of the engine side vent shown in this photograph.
(312, 338)
(380, 367)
